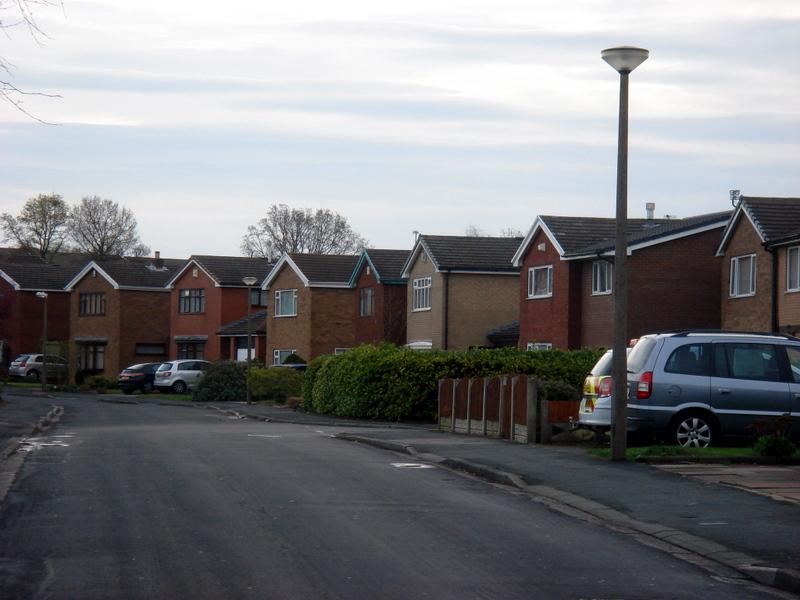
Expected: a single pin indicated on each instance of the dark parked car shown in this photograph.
(138, 377)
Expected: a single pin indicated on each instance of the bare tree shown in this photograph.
(102, 228)
(510, 232)
(41, 226)
(287, 229)
(20, 13)
(475, 231)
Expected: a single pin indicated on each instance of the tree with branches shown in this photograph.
(286, 229)
(41, 226)
(102, 228)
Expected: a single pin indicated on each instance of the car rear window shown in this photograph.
(690, 359)
(603, 366)
(747, 361)
(165, 367)
(640, 353)
(21, 358)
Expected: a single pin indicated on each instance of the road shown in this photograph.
(148, 501)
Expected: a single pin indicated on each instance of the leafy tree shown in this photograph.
(20, 13)
(286, 229)
(102, 228)
(41, 226)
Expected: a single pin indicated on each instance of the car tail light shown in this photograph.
(24, 363)
(606, 387)
(644, 387)
(164, 373)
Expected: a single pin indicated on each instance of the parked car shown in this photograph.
(138, 377)
(180, 376)
(693, 387)
(31, 366)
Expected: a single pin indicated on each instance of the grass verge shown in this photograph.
(678, 452)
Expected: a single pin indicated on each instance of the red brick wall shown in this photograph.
(388, 321)
(597, 312)
(394, 300)
(96, 325)
(205, 323)
(144, 319)
(752, 313)
(556, 319)
(285, 333)
(332, 320)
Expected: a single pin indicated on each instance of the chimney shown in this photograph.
(650, 209)
(158, 263)
(735, 194)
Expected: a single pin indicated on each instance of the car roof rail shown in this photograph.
(688, 332)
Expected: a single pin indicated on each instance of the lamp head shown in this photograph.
(41, 294)
(249, 281)
(625, 58)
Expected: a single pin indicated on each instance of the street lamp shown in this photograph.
(249, 282)
(43, 296)
(624, 59)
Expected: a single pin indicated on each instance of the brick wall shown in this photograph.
(96, 325)
(597, 312)
(388, 320)
(144, 319)
(788, 302)
(204, 323)
(286, 333)
(753, 313)
(332, 316)
(425, 325)
(476, 304)
(21, 318)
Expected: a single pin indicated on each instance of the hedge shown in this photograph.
(275, 383)
(223, 382)
(387, 382)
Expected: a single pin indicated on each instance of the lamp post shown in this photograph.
(43, 296)
(624, 59)
(249, 282)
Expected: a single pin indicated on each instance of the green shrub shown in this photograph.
(294, 359)
(100, 384)
(275, 383)
(223, 382)
(558, 390)
(779, 446)
(309, 379)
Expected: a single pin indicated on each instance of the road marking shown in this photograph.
(263, 435)
(714, 523)
(31, 444)
(412, 466)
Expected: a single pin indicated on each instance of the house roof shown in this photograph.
(504, 335)
(776, 220)
(227, 271)
(258, 325)
(132, 272)
(577, 237)
(27, 272)
(466, 253)
(317, 270)
(386, 264)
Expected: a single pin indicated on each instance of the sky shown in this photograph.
(426, 116)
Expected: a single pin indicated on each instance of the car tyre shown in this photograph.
(693, 429)
(32, 375)
(179, 387)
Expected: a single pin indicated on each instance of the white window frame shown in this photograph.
(734, 290)
(276, 354)
(789, 252)
(366, 302)
(532, 278)
(279, 302)
(530, 346)
(602, 269)
(421, 299)
(338, 351)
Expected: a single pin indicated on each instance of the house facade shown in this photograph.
(22, 312)
(208, 298)
(566, 290)
(760, 253)
(119, 314)
(459, 289)
(312, 306)
(381, 295)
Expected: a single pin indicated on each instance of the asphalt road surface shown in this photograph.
(147, 501)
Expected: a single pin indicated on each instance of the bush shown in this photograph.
(100, 384)
(779, 446)
(223, 382)
(275, 383)
(294, 359)
(309, 379)
(558, 390)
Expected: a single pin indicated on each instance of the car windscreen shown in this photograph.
(640, 353)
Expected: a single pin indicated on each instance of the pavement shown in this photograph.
(725, 518)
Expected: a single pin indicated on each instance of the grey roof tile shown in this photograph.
(471, 253)
(134, 271)
(258, 325)
(776, 218)
(32, 274)
(388, 263)
(326, 268)
(230, 270)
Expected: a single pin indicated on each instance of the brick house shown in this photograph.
(314, 306)
(459, 289)
(760, 253)
(565, 288)
(209, 305)
(119, 313)
(380, 289)
(22, 312)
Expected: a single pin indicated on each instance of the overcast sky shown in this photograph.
(427, 115)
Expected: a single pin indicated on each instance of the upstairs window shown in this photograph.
(192, 301)
(422, 294)
(793, 269)
(286, 303)
(92, 304)
(258, 297)
(743, 276)
(540, 282)
(367, 302)
(601, 278)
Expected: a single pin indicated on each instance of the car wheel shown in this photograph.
(179, 387)
(32, 375)
(693, 429)
(147, 387)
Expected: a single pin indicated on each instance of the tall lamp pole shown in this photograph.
(249, 282)
(624, 59)
(43, 296)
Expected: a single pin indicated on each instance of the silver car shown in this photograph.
(180, 376)
(31, 366)
(693, 387)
